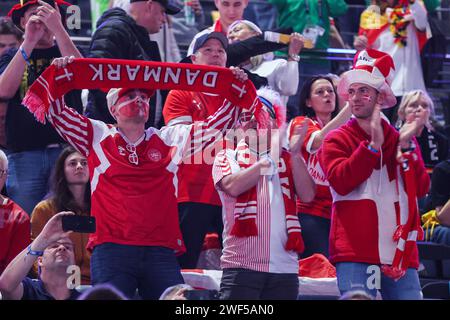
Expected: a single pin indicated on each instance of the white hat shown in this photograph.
(115, 93)
(373, 68)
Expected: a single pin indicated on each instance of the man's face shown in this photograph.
(3, 172)
(231, 10)
(8, 41)
(362, 99)
(58, 254)
(155, 18)
(211, 54)
(133, 106)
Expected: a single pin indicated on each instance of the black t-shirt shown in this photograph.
(440, 184)
(434, 147)
(33, 289)
(23, 132)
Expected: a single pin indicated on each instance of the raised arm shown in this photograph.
(47, 16)
(342, 117)
(304, 184)
(73, 127)
(11, 279)
(237, 183)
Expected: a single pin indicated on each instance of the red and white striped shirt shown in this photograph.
(134, 190)
(265, 252)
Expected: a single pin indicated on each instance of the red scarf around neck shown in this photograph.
(246, 204)
(112, 73)
(407, 234)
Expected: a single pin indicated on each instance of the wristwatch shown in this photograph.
(294, 57)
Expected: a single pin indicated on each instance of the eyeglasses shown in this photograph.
(3, 173)
(132, 157)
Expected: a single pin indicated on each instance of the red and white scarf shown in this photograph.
(246, 204)
(113, 73)
(407, 234)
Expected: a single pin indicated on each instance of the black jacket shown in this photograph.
(118, 36)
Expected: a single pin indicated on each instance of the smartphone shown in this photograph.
(50, 2)
(201, 295)
(76, 223)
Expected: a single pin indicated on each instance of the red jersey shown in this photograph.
(195, 182)
(14, 232)
(134, 186)
(321, 205)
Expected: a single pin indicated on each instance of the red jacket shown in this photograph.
(368, 203)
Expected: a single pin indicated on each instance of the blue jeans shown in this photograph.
(150, 270)
(363, 276)
(441, 235)
(29, 174)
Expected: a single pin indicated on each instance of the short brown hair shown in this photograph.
(8, 27)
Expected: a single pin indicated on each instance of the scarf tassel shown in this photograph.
(392, 272)
(36, 106)
(295, 242)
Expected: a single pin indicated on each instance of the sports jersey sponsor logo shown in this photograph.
(154, 155)
(121, 150)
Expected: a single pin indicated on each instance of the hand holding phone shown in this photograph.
(77, 223)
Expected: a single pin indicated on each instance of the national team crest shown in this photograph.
(154, 155)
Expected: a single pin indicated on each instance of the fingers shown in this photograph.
(63, 62)
(239, 74)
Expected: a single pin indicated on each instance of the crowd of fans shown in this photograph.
(330, 164)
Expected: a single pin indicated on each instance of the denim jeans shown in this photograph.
(244, 284)
(28, 176)
(150, 270)
(363, 276)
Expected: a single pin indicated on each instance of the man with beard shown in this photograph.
(54, 253)
(375, 176)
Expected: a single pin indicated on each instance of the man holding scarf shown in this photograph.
(258, 189)
(133, 170)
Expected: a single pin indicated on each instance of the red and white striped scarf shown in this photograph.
(407, 234)
(246, 207)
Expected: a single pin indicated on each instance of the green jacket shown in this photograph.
(292, 13)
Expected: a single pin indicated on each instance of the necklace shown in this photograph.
(131, 148)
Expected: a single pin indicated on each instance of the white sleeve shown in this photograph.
(419, 13)
(285, 77)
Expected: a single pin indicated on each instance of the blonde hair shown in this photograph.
(3, 157)
(411, 97)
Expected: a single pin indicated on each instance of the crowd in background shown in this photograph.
(314, 99)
